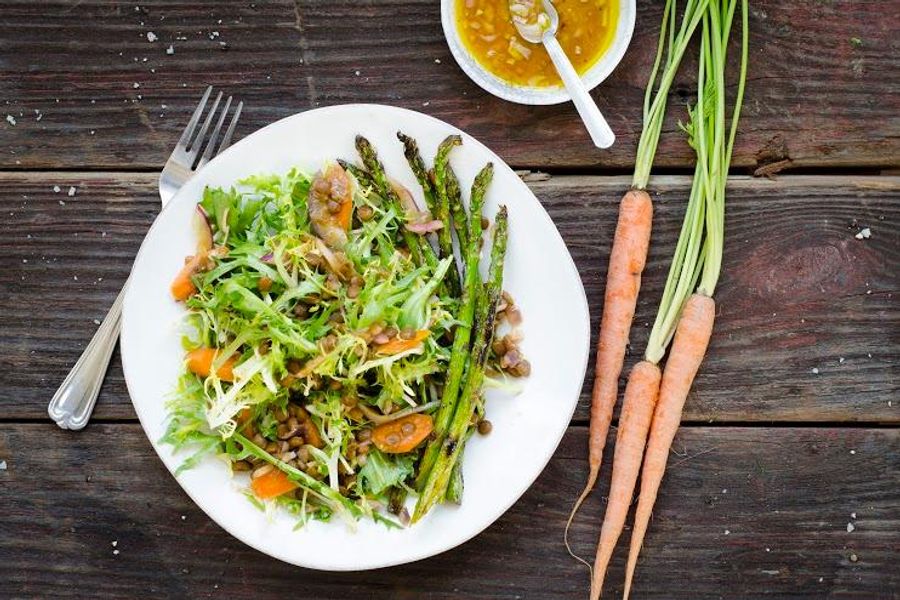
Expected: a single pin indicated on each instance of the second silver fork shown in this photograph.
(73, 403)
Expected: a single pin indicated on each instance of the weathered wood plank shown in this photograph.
(823, 84)
(808, 319)
(744, 513)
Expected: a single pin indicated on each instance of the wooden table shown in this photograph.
(790, 437)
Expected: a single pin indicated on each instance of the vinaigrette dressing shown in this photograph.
(586, 30)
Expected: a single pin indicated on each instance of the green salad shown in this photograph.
(339, 337)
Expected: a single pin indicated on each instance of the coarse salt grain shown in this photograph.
(170, 49)
(2, 465)
(72, 190)
(151, 37)
(815, 370)
(10, 119)
(850, 527)
(55, 189)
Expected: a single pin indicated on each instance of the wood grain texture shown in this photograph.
(808, 330)
(87, 89)
(743, 513)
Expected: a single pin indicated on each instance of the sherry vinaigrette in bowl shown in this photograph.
(586, 31)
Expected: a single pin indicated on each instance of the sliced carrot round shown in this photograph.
(272, 484)
(398, 345)
(402, 435)
(183, 287)
(200, 362)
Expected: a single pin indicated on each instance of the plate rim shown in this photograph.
(413, 556)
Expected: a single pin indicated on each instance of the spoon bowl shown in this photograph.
(534, 25)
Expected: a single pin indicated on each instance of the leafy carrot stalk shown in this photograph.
(695, 319)
(634, 423)
(631, 243)
(643, 388)
(272, 484)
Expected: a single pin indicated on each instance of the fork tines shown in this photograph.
(192, 140)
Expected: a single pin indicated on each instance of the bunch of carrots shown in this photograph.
(654, 397)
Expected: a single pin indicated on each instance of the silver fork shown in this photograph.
(73, 402)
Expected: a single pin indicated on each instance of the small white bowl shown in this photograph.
(533, 95)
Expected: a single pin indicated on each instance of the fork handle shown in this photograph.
(73, 403)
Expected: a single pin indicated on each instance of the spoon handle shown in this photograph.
(601, 134)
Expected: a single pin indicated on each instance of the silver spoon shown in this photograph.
(540, 26)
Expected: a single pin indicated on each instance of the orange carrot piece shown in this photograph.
(244, 415)
(623, 282)
(200, 361)
(402, 435)
(272, 484)
(688, 349)
(634, 423)
(345, 215)
(398, 345)
(183, 287)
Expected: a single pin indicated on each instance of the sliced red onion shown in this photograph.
(406, 198)
(337, 262)
(427, 227)
(269, 258)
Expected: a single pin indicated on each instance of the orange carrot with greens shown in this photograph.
(694, 316)
(630, 245)
(688, 350)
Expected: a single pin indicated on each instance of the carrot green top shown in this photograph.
(698, 254)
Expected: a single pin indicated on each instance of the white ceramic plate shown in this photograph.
(489, 82)
(527, 428)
